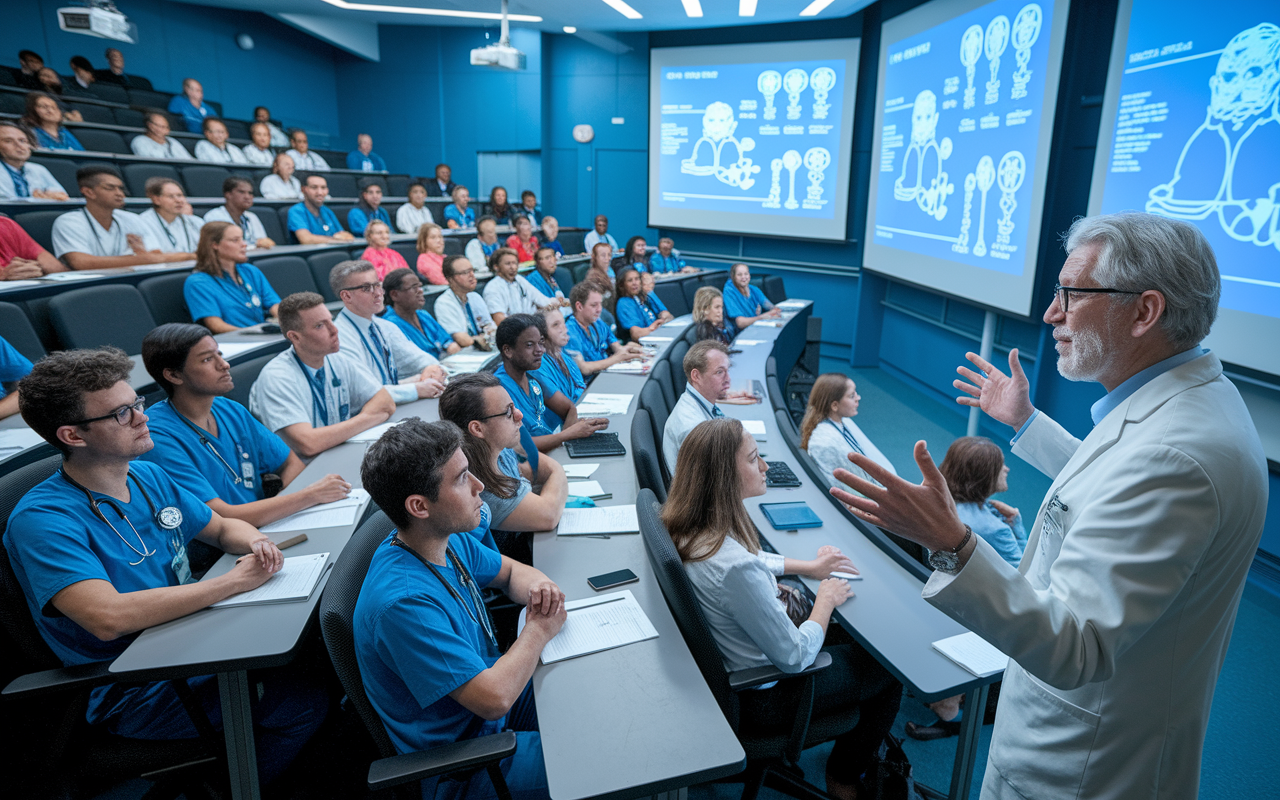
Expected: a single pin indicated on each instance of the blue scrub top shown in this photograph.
(367, 163)
(415, 643)
(66, 140)
(358, 220)
(54, 541)
(192, 116)
(542, 284)
(593, 344)
(567, 381)
(222, 297)
(300, 217)
(243, 442)
(532, 405)
(14, 366)
(735, 305)
(631, 312)
(465, 219)
(659, 263)
(554, 245)
(433, 338)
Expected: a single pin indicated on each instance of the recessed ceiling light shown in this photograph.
(570, 29)
(815, 8)
(623, 9)
(430, 12)
(692, 8)
(746, 8)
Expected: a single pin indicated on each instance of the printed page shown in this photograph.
(598, 623)
(327, 515)
(605, 519)
(295, 581)
(974, 653)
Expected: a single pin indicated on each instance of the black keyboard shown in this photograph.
(595, 445)
(780, 475)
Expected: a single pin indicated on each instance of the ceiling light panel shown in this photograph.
(815, 8)
(746, 8)
(692, 8)
(430, 12)
(619, 6)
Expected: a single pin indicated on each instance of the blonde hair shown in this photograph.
(827, 389)
(423, 231)
(702, 302)
(373, 222)
(705, 503)
(211, 236)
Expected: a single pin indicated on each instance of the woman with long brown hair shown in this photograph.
(225, 292)
(43, 117)
(736, 584)
(828, 432)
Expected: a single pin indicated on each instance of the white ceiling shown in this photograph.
(593, 15)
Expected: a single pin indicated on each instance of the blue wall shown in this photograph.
(291, 73)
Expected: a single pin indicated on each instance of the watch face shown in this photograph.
(944, 561)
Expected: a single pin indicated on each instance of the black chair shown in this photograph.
(39, 224)
(410, 252)
(662, 375)
(244, 374)
(149, 98)
(16, 329)
(164, 297)
(646, 457)
(102, 141)
(111, 92)
(337, 612)
(773, 289)
(773, 746)
(321, 264)
(678, 379)
(216, 106)
(136, 176)
(770, 366)
(580, 271)
(236, 129)
(341, 185)
(571, 241)
(271, 225)
(716, 279)
(95, 316)
(652, 399)
(131, 118)
(672, 296)
(454, 245)
(287, 274)
(204, 180)
(92, 112)
(12, 103)
(564, 279)
(282, 217)
(658, 411)
(689, 289)
(398, 185)
(62, 169)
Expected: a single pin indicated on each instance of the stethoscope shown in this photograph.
(226, 153)
(204, 440)
(319, 398)
(186, 231)
(710, 412)
(848, 436)
(169, 518)
(386, 364)
(243, 285)
(94, 230)
(481, 615)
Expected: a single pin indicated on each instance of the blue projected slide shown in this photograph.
(963, 117)
(751, 137)
(1197, 134)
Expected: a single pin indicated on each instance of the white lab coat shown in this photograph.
(1117, 627)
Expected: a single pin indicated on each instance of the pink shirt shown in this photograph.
(513, 242)
(431, 267)
(384, 261)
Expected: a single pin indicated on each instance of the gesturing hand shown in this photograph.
(1006, 398)
(924, 513)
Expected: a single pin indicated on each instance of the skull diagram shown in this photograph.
(1248, 75)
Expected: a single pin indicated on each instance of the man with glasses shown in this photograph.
(100, 550)
(1117, 620)
(311, 221)
(460, 310)
(311, 395)
(407, 372)
(102, 235)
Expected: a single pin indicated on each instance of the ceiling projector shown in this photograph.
(501, 55)
(97, 18)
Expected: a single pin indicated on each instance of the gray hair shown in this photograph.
(1142, 252)
(345, 269)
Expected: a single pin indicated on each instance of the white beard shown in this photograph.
(1087, 358)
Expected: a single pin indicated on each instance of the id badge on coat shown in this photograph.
(246, 471)
(181, 565)
(1052, 531)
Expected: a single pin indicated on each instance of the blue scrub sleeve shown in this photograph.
(298, 218)
(14, 366)
(629, 315)
(259, 281)
(201, 295)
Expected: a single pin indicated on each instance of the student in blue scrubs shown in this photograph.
(744, 303)
(424, 641)
(224, 292)
(638, 313)
(591, 340)
(14, 366)
(405, 303)
(549, 415)
(311, 221)
(543, 276)
(190, 105)
(212, 445)
(363, 158)
(666, 260)
(559, 372)
(100, 550)
(457, 214)
(368, 209)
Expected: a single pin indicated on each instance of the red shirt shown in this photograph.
(16, 243)
(513, 242)
(431, 267)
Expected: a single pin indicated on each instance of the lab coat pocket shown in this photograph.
(1043, 748)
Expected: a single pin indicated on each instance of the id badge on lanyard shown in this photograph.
(181, 565)
(246, 470)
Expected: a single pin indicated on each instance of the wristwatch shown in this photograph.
(948, 561)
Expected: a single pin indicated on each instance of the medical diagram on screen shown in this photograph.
(1240, 132)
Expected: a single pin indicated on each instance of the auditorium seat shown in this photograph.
(78, 319)
(678, 350)
(111, 92)
(244, 375)
(321, 264)
(341, 185)
(398, 185)
(671, 294)
(215, 105)
(409, 250)
(136, 175)
(287, 274)
(429, 302)
(282, 216)
(236, 129)
(163, 294)
(39, 224)
(12, 103)
(101, 141)
(62, 169)
(18, 332)
(571, 241)
(773, 289)
(203, 180)
(453, 246)
(271, 224)
(580, 271)
(661, 373)
(130, 117)
(644, 453)
(341, 210)
(148, 98)
(92, 112)
(689, 289)
(564, 279)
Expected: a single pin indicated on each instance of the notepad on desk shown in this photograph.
(597, 521)
(747, 342)
(755, 427)
(656, 339)
(601, 404)
(326, 515)
(591, 489)
(793, 303)
(295, 581)
(972, 652)
(575, 472)
(233, 349)
(595, 624)
(767, 323)
(374, 433)
(63, 277)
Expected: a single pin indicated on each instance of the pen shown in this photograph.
(620, 596)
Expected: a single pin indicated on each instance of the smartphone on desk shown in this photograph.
(612, 579)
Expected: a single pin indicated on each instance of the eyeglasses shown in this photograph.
(509, 413)
(1064, 293)
(371, 288)
(460, 273)
(122, 415)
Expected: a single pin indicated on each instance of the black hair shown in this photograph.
(409, 188)
(90, 176)
(391, 282)
(408, 459)
(463, 402)
(167, 347)
(230, 184)
(361, 187)
(52, 394)
(307, 177)
(29, 54)
(80, 62)
(484, 217)
(509, 329)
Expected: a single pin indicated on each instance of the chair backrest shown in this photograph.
(410, 252)
(16, 328)
(652, 398)
(398, 185)
(671, 293)
(770, 366)
(454, 245)
(270, 223)
(62, 169)
(773, 289)
(678, 379)
(92, 112)
(15, 616)
(149, 98)
(684, 604)
(282, 216)
(715, 279)
(658, 414)
(341, 210)
(572, 241)
(645, 455)
(129, 117)
(580, 271)
(112, 93)
(777, 398)
(204, 180)
(236, 129)
(102, 141)
(39, 224)
(662, 374)
(689, 288)
(321, 264)
(100, 315)
(287, 274)
(337, 626)
(341, 185)
(244, 374)
(564, 279)
(164, 297)
(136, 175)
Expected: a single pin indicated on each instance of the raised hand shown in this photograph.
(1006, 398)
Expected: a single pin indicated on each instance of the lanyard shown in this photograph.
(848, 436)
(649, 312)
(94, 230)
(319, 393)
(538, 425)
(473, 323)
(562, 365)
(244, 225)
(710, 412)
(186, 231)
(481, 614)
(381, 356)
(168, 147)
(20, 187)
(318, 216)
(243, 285)
(204, 440)
(591, 333)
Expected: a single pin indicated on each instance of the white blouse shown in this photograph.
(273, 188)
(229, 154)
(147, 147)
(829, 448)
(410, 219)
